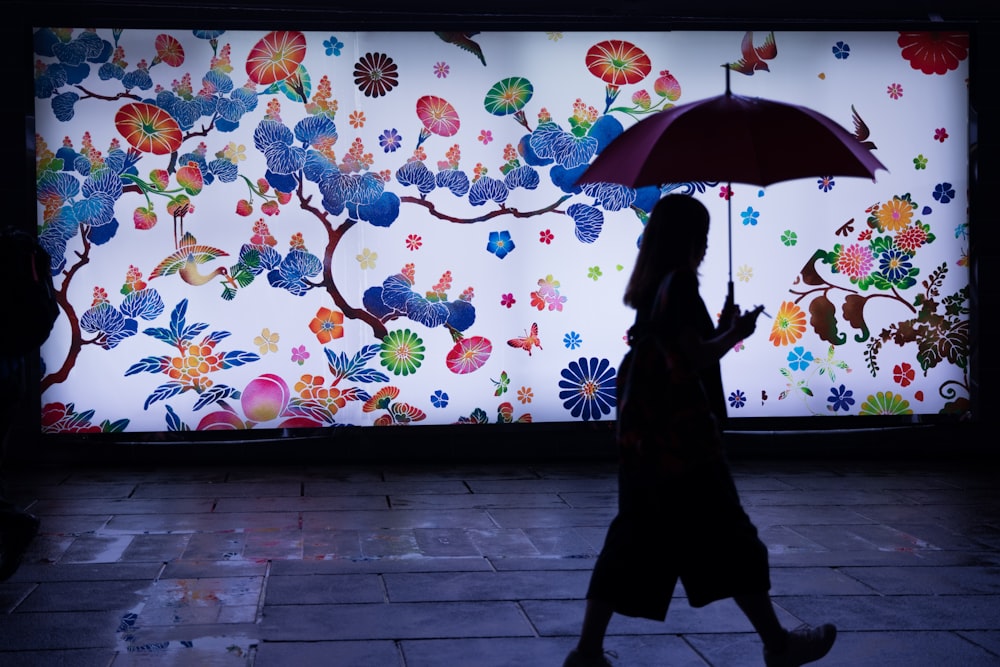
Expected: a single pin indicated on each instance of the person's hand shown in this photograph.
(730, 313)
(745, 324)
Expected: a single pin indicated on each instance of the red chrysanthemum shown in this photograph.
(934, 52)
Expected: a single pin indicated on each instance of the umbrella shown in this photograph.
(732, 139)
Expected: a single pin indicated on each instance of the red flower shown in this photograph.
(903, 374)
(276, 57)
(617, 62)
(934, 52)
(148, 128)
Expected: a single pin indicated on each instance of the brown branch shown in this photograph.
(203, 132)
(89, 94)
(503, 210)
(76, 336)
(334, 235)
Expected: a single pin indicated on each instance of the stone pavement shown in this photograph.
(479, 565)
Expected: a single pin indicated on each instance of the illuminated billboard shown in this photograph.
(294, 229)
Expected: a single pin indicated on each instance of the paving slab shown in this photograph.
(39, 631)
(312, 589)
(382, 653)
(928, 580)
(394, 621)
(454, 586)
(897, 612)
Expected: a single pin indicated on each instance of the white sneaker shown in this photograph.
(805, 644)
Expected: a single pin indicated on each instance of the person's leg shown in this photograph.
(760, 612)
(595, 625)
(783, 648)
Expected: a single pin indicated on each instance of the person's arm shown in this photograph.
(699, 350)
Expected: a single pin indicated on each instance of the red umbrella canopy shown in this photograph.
(735, 139)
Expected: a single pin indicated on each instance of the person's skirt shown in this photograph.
(690, 527)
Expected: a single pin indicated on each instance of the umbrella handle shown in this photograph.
(732, 298)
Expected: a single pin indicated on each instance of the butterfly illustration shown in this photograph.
(528, 340)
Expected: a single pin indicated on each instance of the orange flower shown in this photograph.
(895, 215)
(327, 325)
(789, 324)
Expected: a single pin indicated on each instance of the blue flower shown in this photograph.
(894, 264)
(572, 340)
(799, 359)
(826, 183)
(588, 388)
(333, 46)
(737, 399)
(944, 192)
(500, 244)
(390, 140)
(841, 51)
(842, 398)
(439, 399)
(750, 216)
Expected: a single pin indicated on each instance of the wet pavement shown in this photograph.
(479, 565)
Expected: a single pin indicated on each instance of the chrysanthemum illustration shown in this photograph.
(789, 324)
(855, 261)
(402, 352)
(587, 388)
(895, 214)
(376, 74)
(886, 403)
(894, 265)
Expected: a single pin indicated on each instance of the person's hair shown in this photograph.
(677, 227)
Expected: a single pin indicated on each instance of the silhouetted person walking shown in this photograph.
(679, 514)
(31, 308)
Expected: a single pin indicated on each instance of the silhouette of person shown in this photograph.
(25, 274)
(679, 515)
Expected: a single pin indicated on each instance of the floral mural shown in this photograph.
(294, 229)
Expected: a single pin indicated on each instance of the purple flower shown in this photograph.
(390, 140)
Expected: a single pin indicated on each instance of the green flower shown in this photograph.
(886, 403)
(594, 272)
(402, 352)
(920, 162)
(789, 238)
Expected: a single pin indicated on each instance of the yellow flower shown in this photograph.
(367, 259)
(267, 341)
(895, 215)
(235, 152)
(744, 273)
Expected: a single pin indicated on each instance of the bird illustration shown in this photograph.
(754, 56)
(861, 132)
(186, 259)
(528, 340)
(462, 40)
